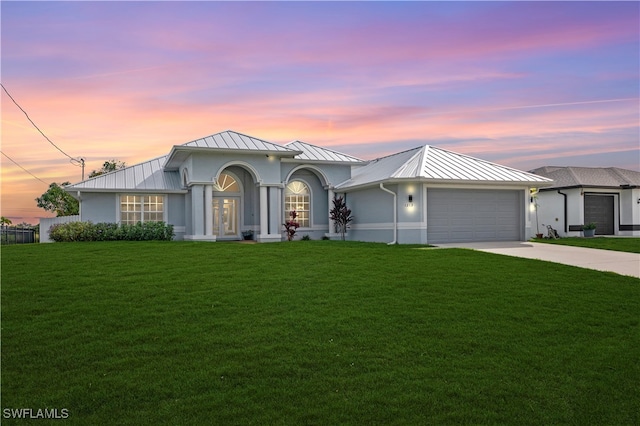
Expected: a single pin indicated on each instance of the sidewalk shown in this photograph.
(601, 260)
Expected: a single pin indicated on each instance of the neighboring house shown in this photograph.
(609, 197)
(218, 186)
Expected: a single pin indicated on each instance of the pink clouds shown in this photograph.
(521, 83)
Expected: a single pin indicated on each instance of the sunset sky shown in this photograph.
(524, 84)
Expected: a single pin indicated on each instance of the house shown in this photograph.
(608, 197)
(216, 187)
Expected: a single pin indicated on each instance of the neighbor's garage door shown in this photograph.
(465, 215)
(599, 209)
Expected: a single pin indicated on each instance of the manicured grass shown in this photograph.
(631, 245)
(318, 332)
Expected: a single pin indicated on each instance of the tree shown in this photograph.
(340, 215)
(5, 221)
(108, 166)
(57, 200)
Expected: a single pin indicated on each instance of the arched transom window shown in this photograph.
(297, 197)
(226, 183)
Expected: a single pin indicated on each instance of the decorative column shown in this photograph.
(264, 212)
(275, 213)
(199, 212)
(208, 210)
(332, 226)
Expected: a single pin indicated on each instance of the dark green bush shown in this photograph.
(87, 231)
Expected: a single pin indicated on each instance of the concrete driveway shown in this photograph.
(601, 260)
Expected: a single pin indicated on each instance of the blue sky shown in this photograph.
(524, 84)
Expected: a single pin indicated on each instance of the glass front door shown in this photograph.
(226, 215)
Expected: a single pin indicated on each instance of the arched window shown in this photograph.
(297, 197)
(226, 183)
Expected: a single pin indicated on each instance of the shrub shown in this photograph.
(290, 226)
(341, 215)
(87, 231)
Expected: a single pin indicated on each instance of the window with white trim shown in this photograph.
(141, 208)
(226, 183)
(297, 197)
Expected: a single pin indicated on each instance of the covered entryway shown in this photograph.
(600, 210)
(226, 207)
(467, 215)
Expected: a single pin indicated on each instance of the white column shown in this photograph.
(330, 195)
(275, 212)
(264, 212)
(197, 209)
(208, 210)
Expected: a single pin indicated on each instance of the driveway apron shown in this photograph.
(601, 260)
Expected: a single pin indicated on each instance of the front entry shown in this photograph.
(226, 217)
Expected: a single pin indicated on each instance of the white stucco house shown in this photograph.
(216, 187)
(609, 197)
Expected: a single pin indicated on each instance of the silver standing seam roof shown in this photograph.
(315, 153)
(227, 141)
(148, 176)
(425, 163)
(429, 163)
(230, 140)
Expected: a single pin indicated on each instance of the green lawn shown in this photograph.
(631, 245)
(314, 332)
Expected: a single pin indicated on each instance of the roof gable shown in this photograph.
(430, 163)
(227, 141)
(315, 153)
(234, 141)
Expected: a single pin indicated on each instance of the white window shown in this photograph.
(226, 183)
(297, 197)
(141, 208)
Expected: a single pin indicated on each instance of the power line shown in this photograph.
(12, 160)
(74, 161)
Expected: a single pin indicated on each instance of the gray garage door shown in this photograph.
(599, 209)
(465, 215)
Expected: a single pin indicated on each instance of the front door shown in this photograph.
(226, 216)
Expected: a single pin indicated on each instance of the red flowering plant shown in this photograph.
(290, 226)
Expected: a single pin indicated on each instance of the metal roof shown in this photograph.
(230, 140)
(597, 177)
(429, 163)
(147, 176)
(316, 153)
(227, 141)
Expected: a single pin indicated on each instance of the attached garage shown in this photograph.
(429, 195)
(467, 215)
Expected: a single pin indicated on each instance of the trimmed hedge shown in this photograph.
(87, 231)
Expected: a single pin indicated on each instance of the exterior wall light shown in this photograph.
(411, 199)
